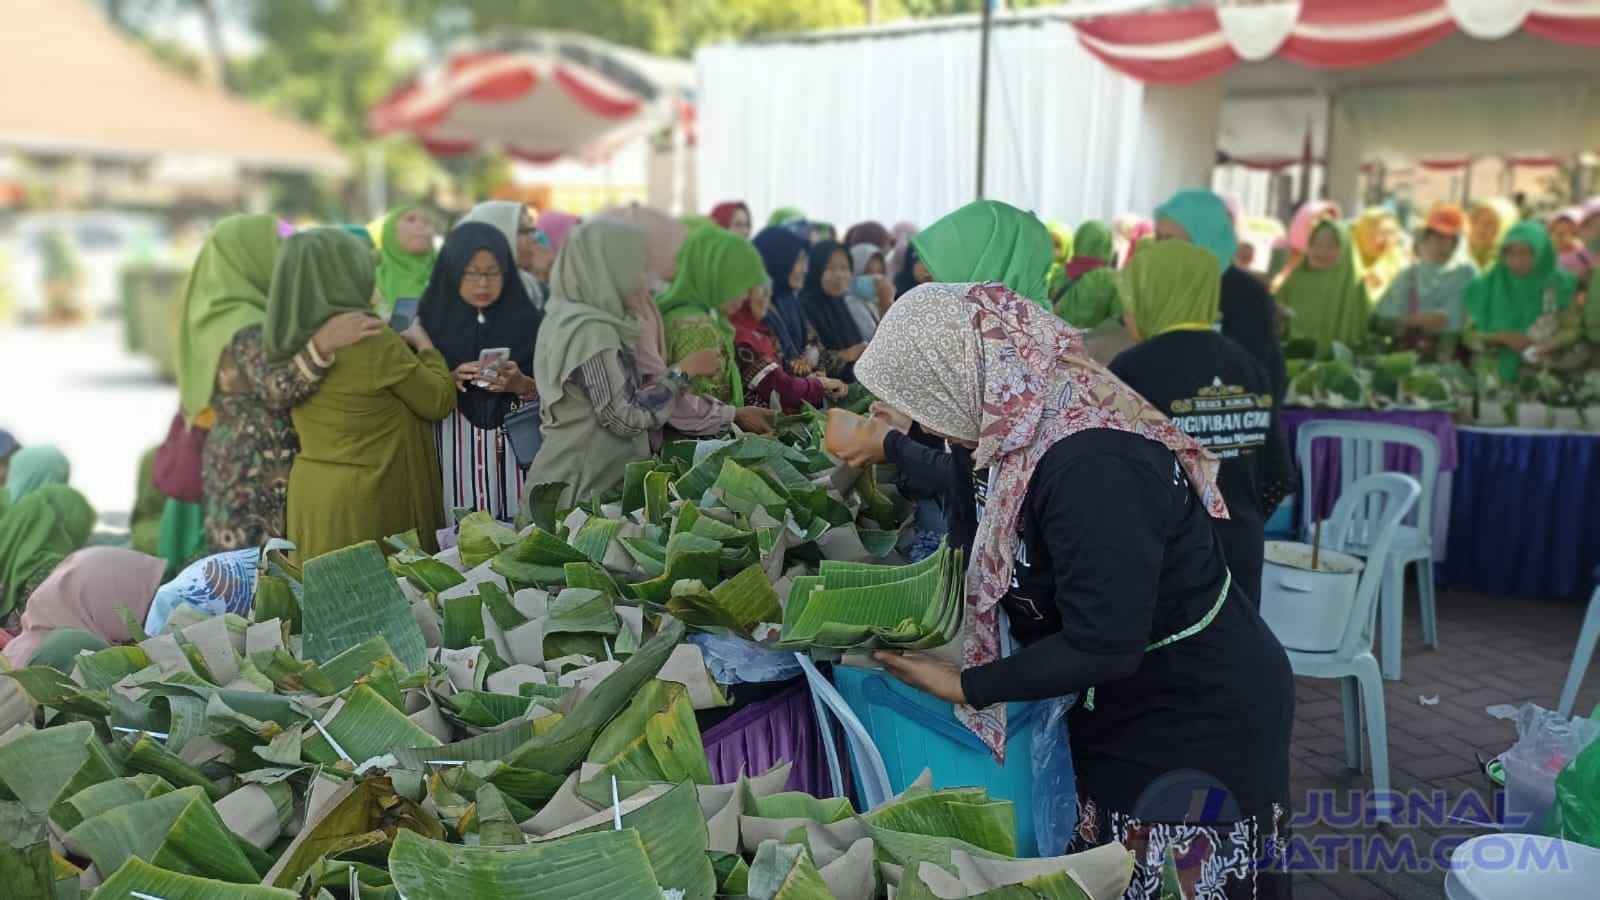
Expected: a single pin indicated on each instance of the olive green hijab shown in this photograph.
(1172, 286)
(1328, 304)
(987, 240)
(320, 273)
(36, 533)
(226, 292)
(400, 274)
(599, 266)
(714, 266)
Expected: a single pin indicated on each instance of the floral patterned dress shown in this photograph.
(248, 454)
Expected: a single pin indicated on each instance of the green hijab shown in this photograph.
(1093, 240)
(1172, 286)
(987, 240)
(320, 273)
(600, 265)
(36, 533)
(1206, 218)
(400, 274)
(1328, 304)
(1501, 301)
(783, 215)
(226, 292)
(33, 468)
(714, 266)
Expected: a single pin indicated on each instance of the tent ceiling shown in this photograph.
(1459, 97)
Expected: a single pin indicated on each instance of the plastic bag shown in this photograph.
(1577, 808)
(1055, 785)
(1546, 742)
(733, 660)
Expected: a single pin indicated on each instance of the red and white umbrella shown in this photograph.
(538, 96)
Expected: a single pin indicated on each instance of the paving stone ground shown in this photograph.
(1492, 650)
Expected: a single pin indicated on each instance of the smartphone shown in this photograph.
(488, 362)
(405, 312)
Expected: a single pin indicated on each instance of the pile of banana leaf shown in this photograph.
(422, 727)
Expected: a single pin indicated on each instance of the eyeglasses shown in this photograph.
(486, 277)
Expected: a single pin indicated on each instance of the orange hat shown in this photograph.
(1448, 219)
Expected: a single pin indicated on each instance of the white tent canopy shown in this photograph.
(880, 124)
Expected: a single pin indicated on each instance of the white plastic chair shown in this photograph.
(1587, 638)
(872, 774)
(1361, 446)
(1371, 508)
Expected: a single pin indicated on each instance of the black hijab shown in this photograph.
(780, 248)
(906, 278)
(828, 313)
(454, 325)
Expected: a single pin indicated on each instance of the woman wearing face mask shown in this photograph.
(596, 412)
(734, 216)
(1525, 284)
(1324, 295)
(476, 302)
(367, 467)
(715, 268)
(824, 298)
(405, 256)
(759, 359)
(870, 293)
(1425, 302)
(514, 221)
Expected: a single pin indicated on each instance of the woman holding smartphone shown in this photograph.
(479, 316)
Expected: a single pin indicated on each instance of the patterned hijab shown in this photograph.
(981, 364)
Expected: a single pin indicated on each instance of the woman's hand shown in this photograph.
(508, 378)
(701, 363)
(833, 387)
(417, 336)
(885, 296)
(851, 354)
(466, 373)
(924, 673)
(862, 446)
(892, 417)
(343, 330)
(753, 419)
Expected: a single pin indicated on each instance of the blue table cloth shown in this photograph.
(1525, 513)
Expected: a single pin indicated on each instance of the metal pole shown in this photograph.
(983, 90)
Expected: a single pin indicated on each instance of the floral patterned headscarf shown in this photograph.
(979, 363)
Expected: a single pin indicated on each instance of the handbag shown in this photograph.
(176, 469)
(521, 428)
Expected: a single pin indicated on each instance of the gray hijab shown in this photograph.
(600, 265)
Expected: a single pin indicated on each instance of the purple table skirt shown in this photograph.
(779, 729)
(1325, 461)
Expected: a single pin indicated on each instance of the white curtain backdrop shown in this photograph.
(883, 127)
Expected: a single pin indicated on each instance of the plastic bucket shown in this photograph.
(1308, 610)
(916, 731)
(1521, 867)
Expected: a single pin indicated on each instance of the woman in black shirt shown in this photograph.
(1095, 536)
(1209, 386)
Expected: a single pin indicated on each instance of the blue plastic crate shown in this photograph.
(916, 731)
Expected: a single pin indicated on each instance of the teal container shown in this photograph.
(916, 731)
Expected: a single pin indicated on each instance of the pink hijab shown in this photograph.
(556, 225)
(663, 235)
(85, 591)
(1306, 218)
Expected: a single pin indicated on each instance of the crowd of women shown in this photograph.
(1093, 413)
